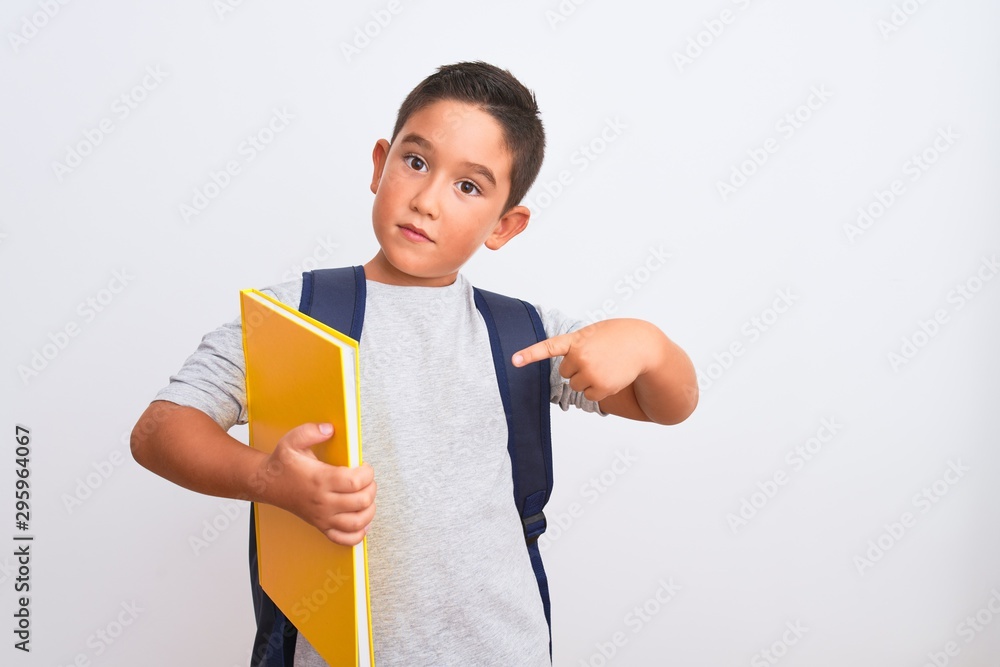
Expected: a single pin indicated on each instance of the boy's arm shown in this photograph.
(628, 365)
(187, 447)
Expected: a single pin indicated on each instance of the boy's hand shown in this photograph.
(628, 365)
(599, 359)
(337, 500)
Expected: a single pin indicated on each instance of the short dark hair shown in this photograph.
(499, 94)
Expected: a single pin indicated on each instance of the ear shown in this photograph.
(508, 226)
(379, 155)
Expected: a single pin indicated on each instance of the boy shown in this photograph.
(451, 582)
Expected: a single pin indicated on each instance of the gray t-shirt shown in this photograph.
(450, 578)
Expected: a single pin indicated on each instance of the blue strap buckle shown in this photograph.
(534, 526)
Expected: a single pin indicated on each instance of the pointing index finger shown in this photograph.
(546, 349)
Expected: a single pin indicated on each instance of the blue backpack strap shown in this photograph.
(514, 325)
(342, 307)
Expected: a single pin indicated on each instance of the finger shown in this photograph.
(592, 388)
(361, 520)
(579, 384)
(358, 501)
(568, 367)
(349, 529)
(350, 522)
(304, 436)
(342, 479)
(556, 346)
(345, 539)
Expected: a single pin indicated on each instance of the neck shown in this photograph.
(380, 270)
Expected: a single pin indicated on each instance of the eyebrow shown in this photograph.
(484, 171)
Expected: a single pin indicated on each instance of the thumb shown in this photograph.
(304, 436)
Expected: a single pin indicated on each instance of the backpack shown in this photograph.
(336, 297)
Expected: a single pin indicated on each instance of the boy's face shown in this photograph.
(439, 191)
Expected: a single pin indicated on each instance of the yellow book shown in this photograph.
(299, 370)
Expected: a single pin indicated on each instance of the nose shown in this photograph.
(426, 199)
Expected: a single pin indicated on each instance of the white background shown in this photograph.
(683, 128)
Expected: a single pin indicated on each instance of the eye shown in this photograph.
(469, 188)
(415, 162)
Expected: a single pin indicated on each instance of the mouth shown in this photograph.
(415, 233)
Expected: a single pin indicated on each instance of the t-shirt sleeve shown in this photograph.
(213, 379)
(556, 324)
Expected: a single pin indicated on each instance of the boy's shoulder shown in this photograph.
(288, 292)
